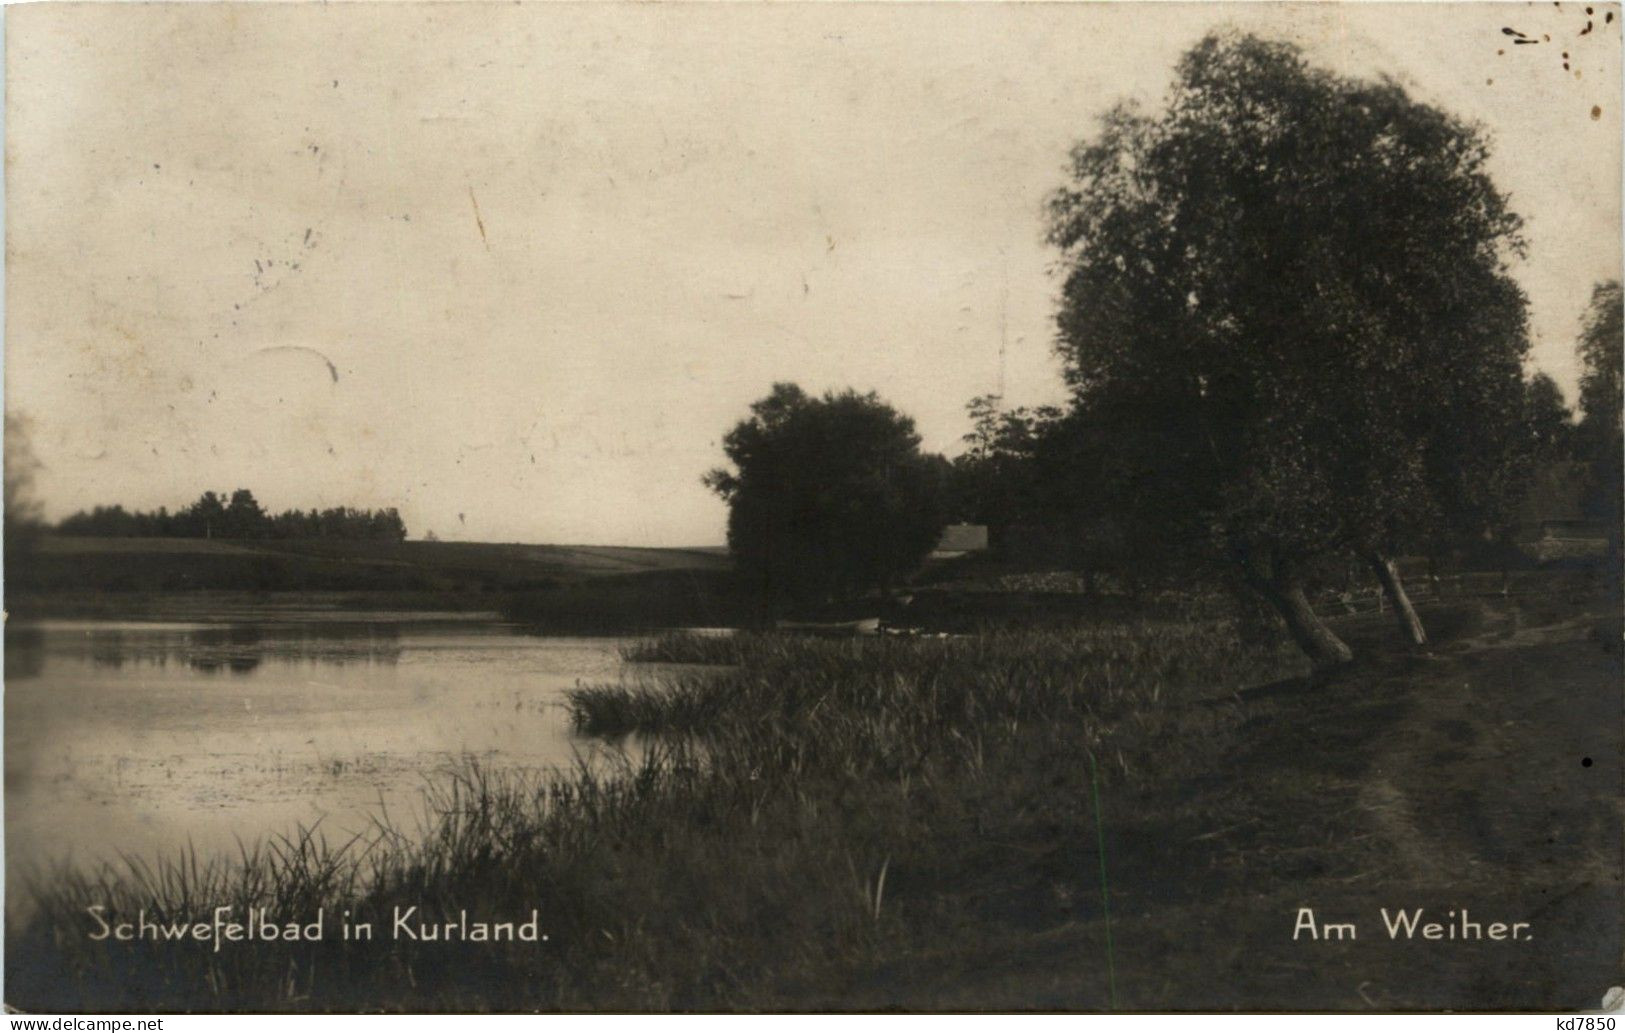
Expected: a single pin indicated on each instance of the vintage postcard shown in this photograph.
(758, 507)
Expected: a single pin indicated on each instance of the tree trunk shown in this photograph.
(1388, 575)
(1324, 649)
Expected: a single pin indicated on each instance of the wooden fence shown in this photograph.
(1369, 598)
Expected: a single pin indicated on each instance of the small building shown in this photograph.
(960, 540)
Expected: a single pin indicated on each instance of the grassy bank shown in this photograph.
(1108, 816)
(632, 603)
(837, 803)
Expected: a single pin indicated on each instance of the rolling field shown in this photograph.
(68, 575)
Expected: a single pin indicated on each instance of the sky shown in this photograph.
(516, 269)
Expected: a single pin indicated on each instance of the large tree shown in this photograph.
(1547, 420)
(1288, 298)
(828, 496)
(22, 517)
(1602, 353)
(1000, 480)
(22, 509)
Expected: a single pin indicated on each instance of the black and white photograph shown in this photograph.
(776, 508)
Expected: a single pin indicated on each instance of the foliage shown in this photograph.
(1601, 401)
(22, 509)
(1548, 421)
(829, 495)
(1601, 356)
(999, 480)
(240, 516)
(1288, 308)
(1031, 475)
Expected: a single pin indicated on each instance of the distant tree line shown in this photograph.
(238, 516)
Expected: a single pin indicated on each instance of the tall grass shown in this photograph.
(685, 647)
(821, 809)
(964, 681)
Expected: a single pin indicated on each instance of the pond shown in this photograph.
(142, 737)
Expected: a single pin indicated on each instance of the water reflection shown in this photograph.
(25, 652)
(141, 737)
(219, 648)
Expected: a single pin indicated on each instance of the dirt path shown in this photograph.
(1503, 783)
(1485, 777)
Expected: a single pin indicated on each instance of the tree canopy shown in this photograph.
(238, 516)
(1288, 301)
(829, 494)
(1600, 349)
(1002, 479)
(1549, 423)
(22, 509)
(1602, 358)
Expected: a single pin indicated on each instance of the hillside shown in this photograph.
(72, 574)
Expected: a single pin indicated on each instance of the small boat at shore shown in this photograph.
(865, 626)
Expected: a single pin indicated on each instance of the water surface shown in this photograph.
(142, 737)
